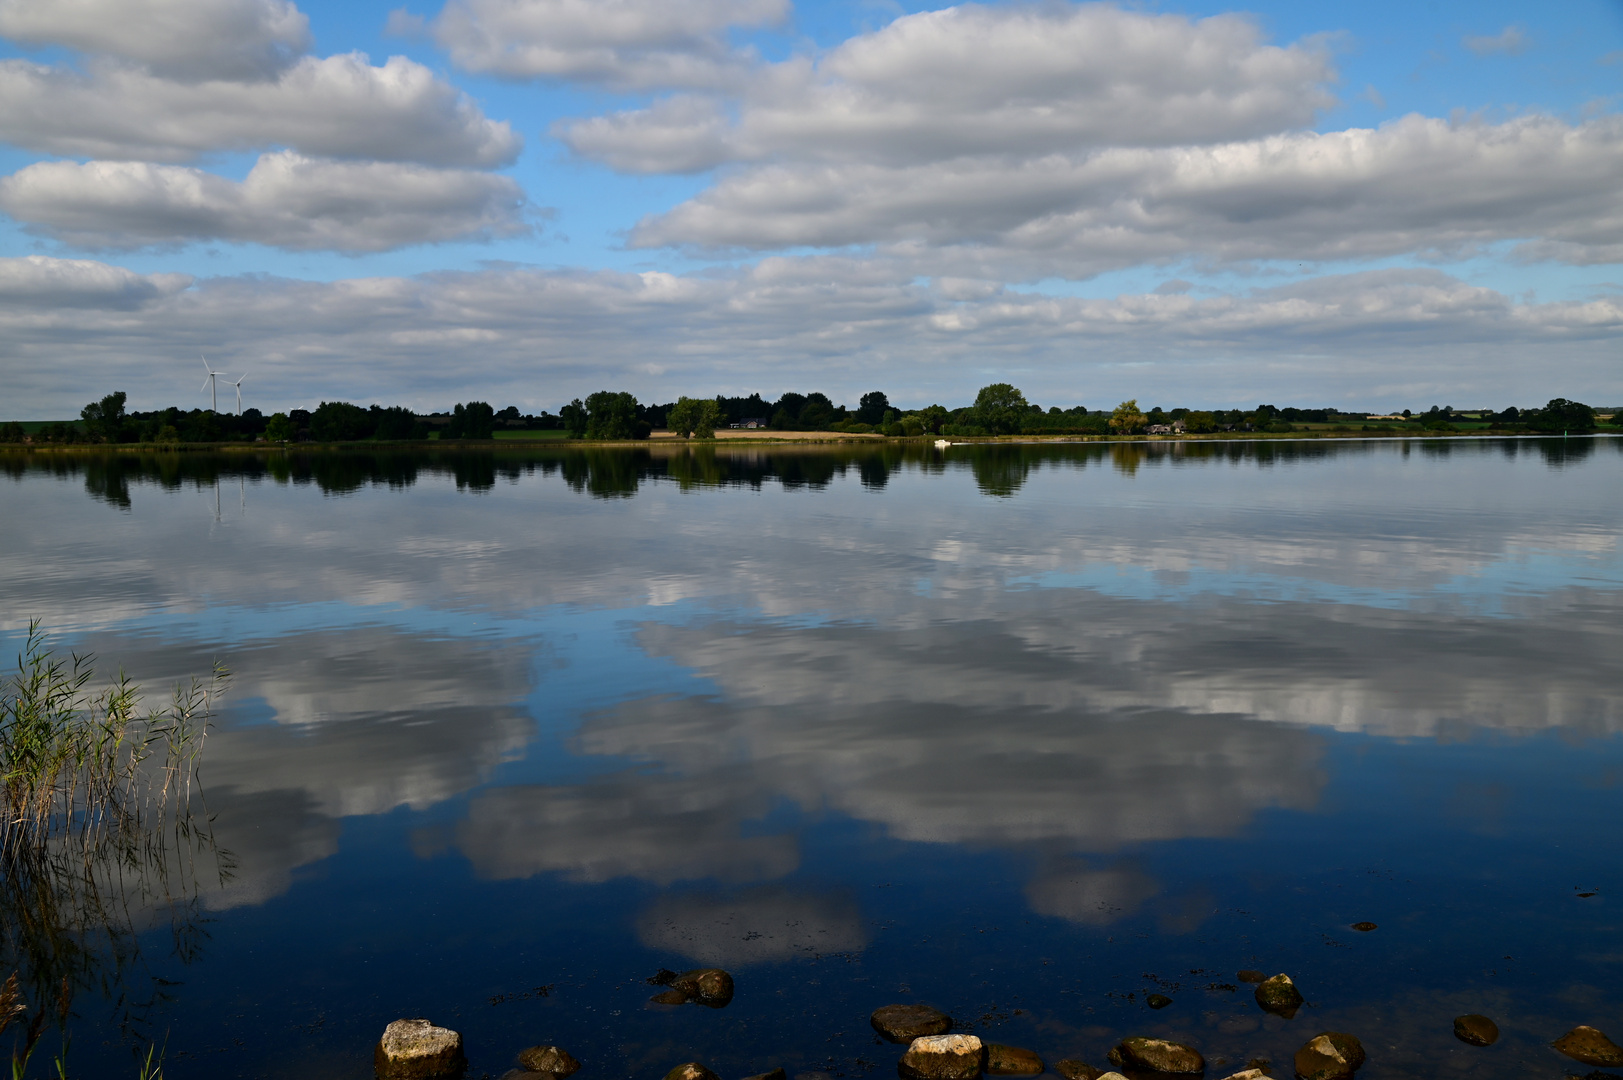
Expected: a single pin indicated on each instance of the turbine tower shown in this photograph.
(208, 384)
(238, 385)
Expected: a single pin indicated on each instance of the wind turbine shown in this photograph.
(208, 383)
(238, 385)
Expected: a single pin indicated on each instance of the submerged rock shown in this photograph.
(1476, 1030)
(1158, 1001)
(1247, 1074)
(1072, 1069)
(669, 997)
(552, 1060)
(1329, 1055)
(1251, 975)
(904, 1023)
(1011, 1061)
(1364, 927)
(1589, 1046)
(943, 1057)
(707, 986)
(775, 1074)
(418, 1050)
(1279, 995)
(1156, 1055)
(691, 1070)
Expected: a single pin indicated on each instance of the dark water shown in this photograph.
(1022, 732)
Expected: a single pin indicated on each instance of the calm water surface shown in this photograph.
(1024, 733)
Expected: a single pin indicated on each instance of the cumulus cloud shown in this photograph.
(185, 39)
(338, 106)
(73, 283)
(975, 80)
(619, 43)
(286, 201)
(1413, 185)
(1511, 41)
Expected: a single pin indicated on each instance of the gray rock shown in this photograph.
(1329, 1055)
(1012, 1061)
(942, 1057)
(1476, 1030)
(691, 1070)
(1247, 1074)
(1073, 1069)
(1589, 1046)
(552, 1060)
(415, 1049)
(904, 1023)
(1279, 995)
(1156, 1055)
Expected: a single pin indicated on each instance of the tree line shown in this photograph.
(998, 409)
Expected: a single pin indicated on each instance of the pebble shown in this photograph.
(1476, 1030)
(1279, 995)
(1012, 1061)
(1156, 1055)
(415, 1049)
(943, 1057)
(904, 1023)
(1589, 1046)
(1329, 1055)
(1072, 1069)
(552, 1060)
(1364, 927)
(691, 1070)
(1158, 1001)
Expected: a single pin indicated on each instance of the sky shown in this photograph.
(1360, 205)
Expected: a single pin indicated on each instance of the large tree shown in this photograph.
(1127, 419)
(1561, 415)
(694, 418)
(611, 415)
(872, 409)
(1001, 409)
(104, 419)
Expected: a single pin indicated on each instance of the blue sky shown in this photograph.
(1351, 204)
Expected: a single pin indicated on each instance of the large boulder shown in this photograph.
(1156, 1055)
(1247, 1074)
(1476, 1030)
(706, 986)
(1072, 1069)
(1279, 996)
(415, 1049)
(904, 1023)
(691, 1070)
(1011, 1061)
(1329, 1055)
(1589, 1046)
(943, 1057)
(552, 1060)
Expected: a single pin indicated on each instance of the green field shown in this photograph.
(531, 436)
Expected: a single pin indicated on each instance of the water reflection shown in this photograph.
(755, 926)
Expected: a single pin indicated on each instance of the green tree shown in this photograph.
(575, 419)
(611, 416)
(11, 433)
(1199, 423)
(1561, 415)
(279, 429)
(1000, 409)
(694, 418)
(104, 419)
(339, 421)
(873, 407)
(1127, 419)
(475, 420)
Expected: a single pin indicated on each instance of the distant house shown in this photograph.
(751, 422)
(1159, 429)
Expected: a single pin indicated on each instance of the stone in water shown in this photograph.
(417, 1050)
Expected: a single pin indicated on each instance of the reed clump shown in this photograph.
(83, 770)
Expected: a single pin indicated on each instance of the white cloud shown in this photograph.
(286, 201)
(73, 283)
(1413, 185)
(839, 324)
(975, 80)
(1511, 41)
(620, 43)
(187, 39)
(339, 106)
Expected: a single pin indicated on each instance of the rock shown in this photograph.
(775, 1074)
(553, 1060)
(1251, 975)
(1112, 1076)
(1589, 1046)
(942, 1057)
(1156, 1055)
(1279, 995)
(669, 997)
(417, 1050)
(1364, 927)
(1329, 1055)
(707, 986)
(1073, 1069)
(1012, 1061)
(1476, 1030)
(691, 1070)
(1248, 1074)
(904, 1023)
(1158, 1001)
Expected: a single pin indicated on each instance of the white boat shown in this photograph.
(942, 444)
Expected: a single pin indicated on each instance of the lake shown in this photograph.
(1025, 732)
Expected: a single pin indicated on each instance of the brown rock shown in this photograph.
(904, 1023)
(942, 1057)
(1073, 1069)
(417, 1050)
(1247, 1074)
(1279, 995)
(1589, 1046)
(1012, 1061)
(1329, 1055)
(1156, 1055)
(706, 986)
(775, 1074)
(1158, 1001)
(691, 1070)
(669, 997)
(1476, 1030)
(1364, 927)
(552, 1060)
(1251, 975)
